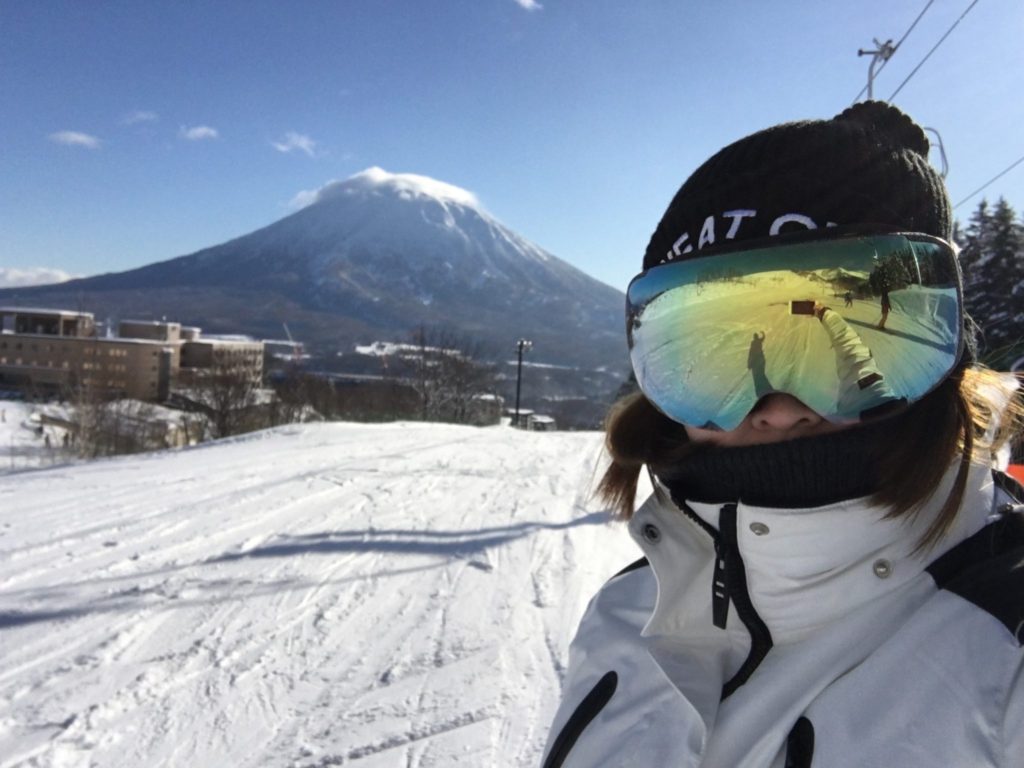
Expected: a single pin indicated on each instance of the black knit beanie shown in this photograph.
(868, 165)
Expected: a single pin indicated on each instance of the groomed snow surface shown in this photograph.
(395, 595)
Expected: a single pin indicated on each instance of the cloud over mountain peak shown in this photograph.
(376, 180)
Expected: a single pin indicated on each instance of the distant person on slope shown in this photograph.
(822, 585)
(886, 308)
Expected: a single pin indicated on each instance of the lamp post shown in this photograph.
(521, 346)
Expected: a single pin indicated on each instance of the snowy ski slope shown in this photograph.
(315, 595)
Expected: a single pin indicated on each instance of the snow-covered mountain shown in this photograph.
(376, 256)
(315, 595)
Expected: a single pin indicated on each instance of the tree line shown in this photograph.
(992, 260)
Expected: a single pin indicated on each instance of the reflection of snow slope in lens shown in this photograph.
(704, 346)
(918, 343)
(694, 354)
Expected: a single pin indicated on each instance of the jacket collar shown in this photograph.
(805, 568)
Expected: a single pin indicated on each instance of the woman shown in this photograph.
(834, 570)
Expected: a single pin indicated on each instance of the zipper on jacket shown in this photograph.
(719, 588)
(729, 586)
(719, 580)
(736, 590)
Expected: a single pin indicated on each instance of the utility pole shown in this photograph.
(881, 53)
(521, 346)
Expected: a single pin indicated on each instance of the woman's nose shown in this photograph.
(782, 412)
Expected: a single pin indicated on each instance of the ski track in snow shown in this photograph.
(397, 595)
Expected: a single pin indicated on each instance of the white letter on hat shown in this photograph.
(707, 233)
(678, 243)
(798, 218)
(737, 217)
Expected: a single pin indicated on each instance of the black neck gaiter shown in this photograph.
(806, 472)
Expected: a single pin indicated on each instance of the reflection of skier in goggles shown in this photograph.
(832, 556)
(860, 381)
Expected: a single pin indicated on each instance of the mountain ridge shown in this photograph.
(372, 258)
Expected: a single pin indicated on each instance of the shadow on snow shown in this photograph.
(409, 542)
(443, 544)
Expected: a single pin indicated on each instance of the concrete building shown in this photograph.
(153, 330)
(54, 352)
(48, 322)
(234, 354)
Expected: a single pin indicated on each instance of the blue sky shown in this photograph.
(136, 132)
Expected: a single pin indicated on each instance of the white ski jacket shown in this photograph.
(785, 638)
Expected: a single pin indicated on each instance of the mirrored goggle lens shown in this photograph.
(709, 337)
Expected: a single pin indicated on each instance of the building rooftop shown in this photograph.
(225, 339)
(42, 311)
(151, 322)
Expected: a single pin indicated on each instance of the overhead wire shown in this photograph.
(945, 166)
(998, 176)
(934, 48)
(913, 72)
(897, 46)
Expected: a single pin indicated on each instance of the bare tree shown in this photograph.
(228, 395)
(295, 399)
(447, 371)
(86, 400)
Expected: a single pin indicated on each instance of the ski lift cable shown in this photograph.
(998, 176)
(934, 48)
(896, 47)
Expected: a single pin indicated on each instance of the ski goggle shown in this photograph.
(709, 336)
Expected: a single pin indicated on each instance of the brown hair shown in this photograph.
(969, 414)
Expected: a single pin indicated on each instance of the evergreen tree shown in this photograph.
(992, 260)
(974, 244)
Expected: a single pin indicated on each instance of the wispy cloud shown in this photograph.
(293, 140)
(11, 278)
(140, 116)
(308, 196)
(75, 139)
(198, 133)
(530, 5)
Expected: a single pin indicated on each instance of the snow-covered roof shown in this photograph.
(223, 341)
(42, 311)
(154, 323)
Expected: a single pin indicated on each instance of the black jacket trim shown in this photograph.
(736, 579)
(988, 570)
(634, 566)
(800, 745)
(588, 709)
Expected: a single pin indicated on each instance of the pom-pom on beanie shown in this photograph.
(866, 166)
